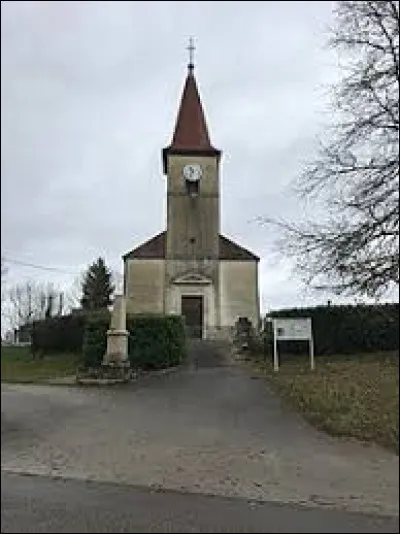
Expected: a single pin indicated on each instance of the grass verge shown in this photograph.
(17, 365)
(355, 396)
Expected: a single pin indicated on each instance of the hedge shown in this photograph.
(95, 339)
(156, 341)
(58, 334)
(344, 329)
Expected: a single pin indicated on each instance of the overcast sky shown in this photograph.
(89, 96)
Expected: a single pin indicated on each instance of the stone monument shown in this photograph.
(116, 362)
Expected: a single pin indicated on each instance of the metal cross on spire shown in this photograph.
(191, 49)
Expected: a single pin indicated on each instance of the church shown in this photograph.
(190, 268)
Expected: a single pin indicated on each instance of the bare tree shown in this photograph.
(28, 302)
(61, 301)
(73, 295)
(4, 271)
(355, 178)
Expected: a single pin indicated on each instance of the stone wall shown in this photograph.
(144, 285)
(239, 292)
(193, 222)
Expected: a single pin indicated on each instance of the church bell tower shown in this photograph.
(191, 166)
(190, 268)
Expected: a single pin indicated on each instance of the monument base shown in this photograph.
(117, 372)
(115, 367)
(108, 373)
(117, 347)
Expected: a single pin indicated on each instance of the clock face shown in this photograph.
(192, 172)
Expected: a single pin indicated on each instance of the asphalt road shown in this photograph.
(211, 428)
(44, 504)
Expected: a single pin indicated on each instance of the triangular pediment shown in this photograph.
(192, 278)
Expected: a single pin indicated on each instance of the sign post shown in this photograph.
(276, 358)
(312, 359)
(294, 329)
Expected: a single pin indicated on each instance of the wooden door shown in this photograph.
(192, 310)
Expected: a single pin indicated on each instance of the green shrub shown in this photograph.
(95, 339)
(57, 335)
(156, 341)
(344, 329)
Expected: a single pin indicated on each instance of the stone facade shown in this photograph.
(239, 296)
(144, 285)
(190, 268)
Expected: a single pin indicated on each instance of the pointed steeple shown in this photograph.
(191, 132)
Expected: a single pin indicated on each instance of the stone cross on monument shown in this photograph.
(116, 359)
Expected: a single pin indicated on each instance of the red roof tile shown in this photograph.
(229, 250)
(191, 132)
(154, 248)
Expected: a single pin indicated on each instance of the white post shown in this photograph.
(117, 335)
(312, 359)
(276, 359)
(118, 315)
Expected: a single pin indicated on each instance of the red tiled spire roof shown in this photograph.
(191, 132)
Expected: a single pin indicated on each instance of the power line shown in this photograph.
(35, 266)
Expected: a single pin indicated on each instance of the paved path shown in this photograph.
(211, 428)
(41, 504)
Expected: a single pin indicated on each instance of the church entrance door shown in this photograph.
(192, 310)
